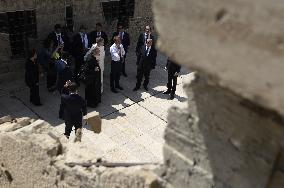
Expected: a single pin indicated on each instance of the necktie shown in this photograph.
(58, 40)
(120, 35)
(83, 40)
(147, 51)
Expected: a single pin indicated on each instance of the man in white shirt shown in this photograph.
(117, 53)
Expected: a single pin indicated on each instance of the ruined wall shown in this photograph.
(33, 154)
(143, 16)
(234, 136)
(225, 141)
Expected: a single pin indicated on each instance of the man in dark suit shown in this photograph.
(79, 48)
(125, 41)
(74, 109)
(147, 62)
(142, 41)
(98, 33)
(173, 70)
(59, 38)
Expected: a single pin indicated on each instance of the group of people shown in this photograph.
(88, 51)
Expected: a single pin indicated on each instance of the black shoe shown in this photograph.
(136, 88)
(114, 90)
(124, 74)
(119, 87)
(146, 88)
(167, 92)
(172, 97)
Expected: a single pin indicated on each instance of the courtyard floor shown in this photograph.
(133, 123)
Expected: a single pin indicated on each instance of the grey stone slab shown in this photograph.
(160, 103)
(12, 106)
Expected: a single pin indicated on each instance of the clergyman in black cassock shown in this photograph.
(93, 84)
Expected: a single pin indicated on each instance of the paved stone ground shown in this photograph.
(133, 123)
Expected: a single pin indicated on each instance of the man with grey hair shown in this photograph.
(142, 41)
(147, 62)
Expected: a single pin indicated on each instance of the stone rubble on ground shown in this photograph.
(33, 154)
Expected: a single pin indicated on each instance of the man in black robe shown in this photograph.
(93, 81)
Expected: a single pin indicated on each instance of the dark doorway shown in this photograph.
(121, 10)
(69, 18)
(20, 25)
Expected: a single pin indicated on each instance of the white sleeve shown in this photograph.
(114, 54)
(87, 56)
(122, 50)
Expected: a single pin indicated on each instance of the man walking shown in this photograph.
(117, 53)
(147, 62)
(74, 109)
(173, 70)
(125, 41)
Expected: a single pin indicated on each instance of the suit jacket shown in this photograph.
(125, 40)
(141, 41)
(78, 46)
(65, 38)
(147, 62)
(93, 36)
(74, 108)
(32, 73)
(64, 75)
(173, 67)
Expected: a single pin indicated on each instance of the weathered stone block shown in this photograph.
(5, 119)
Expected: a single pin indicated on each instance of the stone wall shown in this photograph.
(87, 12)
(5, 52)
(234, 136)
(143, 16)
(223, 142)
